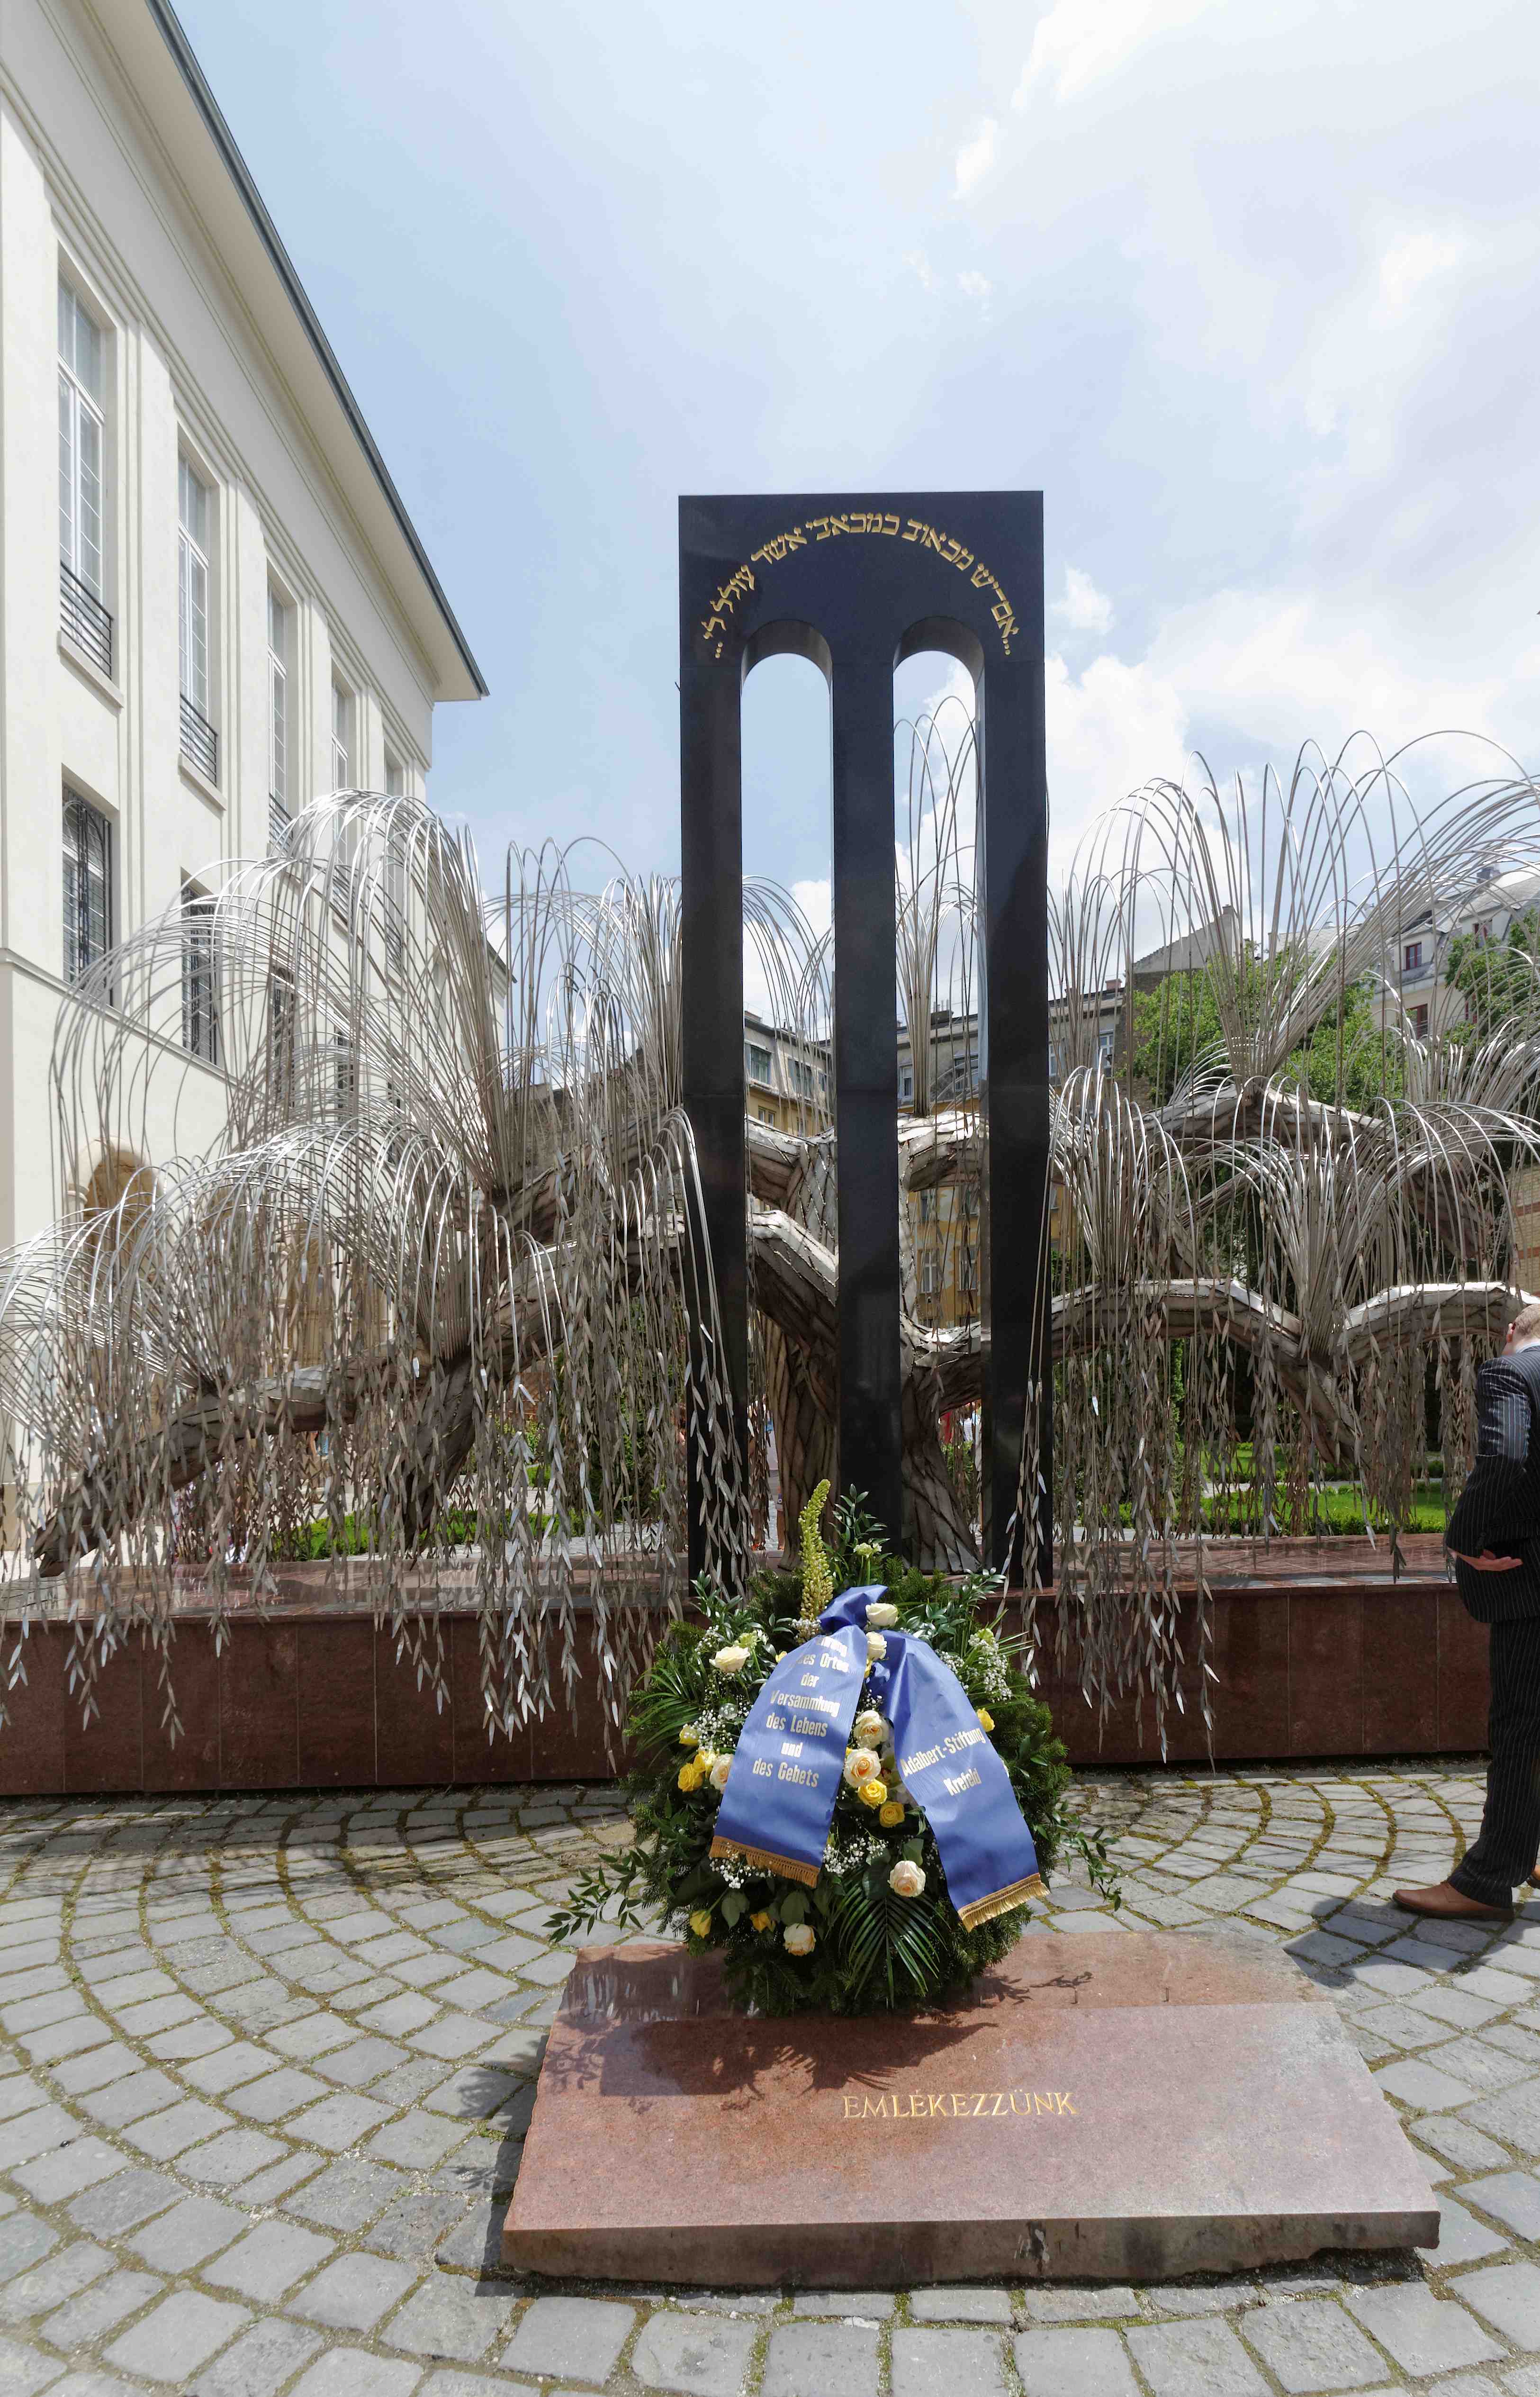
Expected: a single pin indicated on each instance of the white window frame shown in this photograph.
(395, 778)
(82, 423)
(1411, 957)
(81, 951)
(194, 587)
(344, 725)
(754, 1050)
(200, 981)
(280, 713)
(929, 1274)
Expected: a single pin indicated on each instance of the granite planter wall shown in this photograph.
(305, 1697)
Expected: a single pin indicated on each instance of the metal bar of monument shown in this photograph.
(858, 588)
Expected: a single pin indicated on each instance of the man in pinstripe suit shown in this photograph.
(1493, 1536)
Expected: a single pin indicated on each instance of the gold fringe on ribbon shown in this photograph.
(787, 1868)
(984, 1908)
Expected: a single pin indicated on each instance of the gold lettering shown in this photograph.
(981, 578)
(1062, 2097)
(1041, 2103)
(880, 2109)
(813, 524)
(999, 2100)
(959, 2105)
(852, 2110)
(983, 2097)
(1020, 2110)
(890, 526)
(918, 528)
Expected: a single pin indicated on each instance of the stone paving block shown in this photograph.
(352, 2293)
(338, 2122)
(62, 2274)
(453, 2036)
(100, 2309)
(23, 2238)
(450, 2317)
(809, 2359)
(129, 2100)
(269, 2260)
(975, 2304)
(417, 2139)
(398, 2016)
(1462, 2240)
(185, 2331)
(413, 2225)
(1513, 2117)
(468, 1990)
(1424, 2332)
(1513, 2197)
(1048, 2304)
(703, 2357)
(64, 2172)
(228, 2067)
(1074, 2363)
(165, 2135)
(1507, 2295)
(864, 2305)
(313, 2035)
(116, 2205)
(34, 2134)
(199, 2227)
(23, 2370)
(352, 2372)
(276, 2093)
(1475, 2058)
(574, 2338)
(1417, 2082)
(361, 2061)
(260, 2362)
(1452, 2136)
(347, 2196)
(232, 2160)
(1311, 2346)
(110, 2061)
(21, 2095)
(1195, 2359)
(948, 2363)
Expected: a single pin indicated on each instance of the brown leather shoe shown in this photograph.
(1447, 1904)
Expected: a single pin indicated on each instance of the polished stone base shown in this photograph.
(1119, 2105)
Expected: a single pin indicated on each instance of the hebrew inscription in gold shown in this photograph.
(884, 526)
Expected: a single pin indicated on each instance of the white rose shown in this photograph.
(731, 1660)
(719, 1771)
(800, 1939)
(881, 1616)
(861, 1764)
(869, 1727)
(877, 1647)
(906, 1880)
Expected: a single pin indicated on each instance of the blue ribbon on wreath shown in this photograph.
(785, 1772)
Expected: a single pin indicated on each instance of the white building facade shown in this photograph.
(212, 603)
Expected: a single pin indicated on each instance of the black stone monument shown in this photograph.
(858, 584)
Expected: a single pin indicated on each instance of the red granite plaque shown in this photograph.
(1119, 2105)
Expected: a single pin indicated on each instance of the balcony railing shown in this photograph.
(278, 821)
(83, 619)
(200, 742)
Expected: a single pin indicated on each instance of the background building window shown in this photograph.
(80, 442)
(279, 618)
(192, 585)
(342, 738)
(1412, 957)
(395, 778)
(967, 1269)
(87, 886)
(200, 1022)
(1419, 1020)
(905, 1086)
(757, 1062)
(801, 1078)
(929, 1274)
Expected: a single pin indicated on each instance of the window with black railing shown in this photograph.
(200, 1022)
(87, 885)
(200, 742)
(278, 821)
(83, 620)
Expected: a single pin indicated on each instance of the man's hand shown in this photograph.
(1487, 1562)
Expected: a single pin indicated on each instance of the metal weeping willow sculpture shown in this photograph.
(415, 1292)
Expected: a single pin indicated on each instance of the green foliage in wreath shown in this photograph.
(856, 1942)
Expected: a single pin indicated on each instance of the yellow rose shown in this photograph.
(987, 1720)
(760, 1921)
(689, 1737)
(800, 1939)
(873, 1793)
(892, 1813)
(861, 1764)
(700, 1924)
(692, 1776)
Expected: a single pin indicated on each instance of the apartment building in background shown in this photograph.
(213, 605)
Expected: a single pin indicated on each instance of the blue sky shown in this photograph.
(1249, 292)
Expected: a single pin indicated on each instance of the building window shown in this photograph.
(280, 810)
(346, 1073)
(1053, 1062)
(199, 740)
(967, 1269)
(342, 738)
(395, 778)
(757, 1062)
(87, 886)
(1411, 957)
(82, 447)
(801, 1078)
(1419, 1020)
(766, 1115)
(1104, 1046)
(200, 1022)
(929, 1274)
(1483, 932)
(927, 1206)
(280, 1040)
(905, 1086)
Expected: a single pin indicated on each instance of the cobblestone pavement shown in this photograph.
(266, 2064)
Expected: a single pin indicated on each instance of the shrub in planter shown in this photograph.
(878, 1929)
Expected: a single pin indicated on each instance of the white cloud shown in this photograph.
(1078, 41)
(918, 261)
(816, 900)
(1083, 607)
(1414, 260)
(976, 286)
(975, 158)
(1110, 730)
